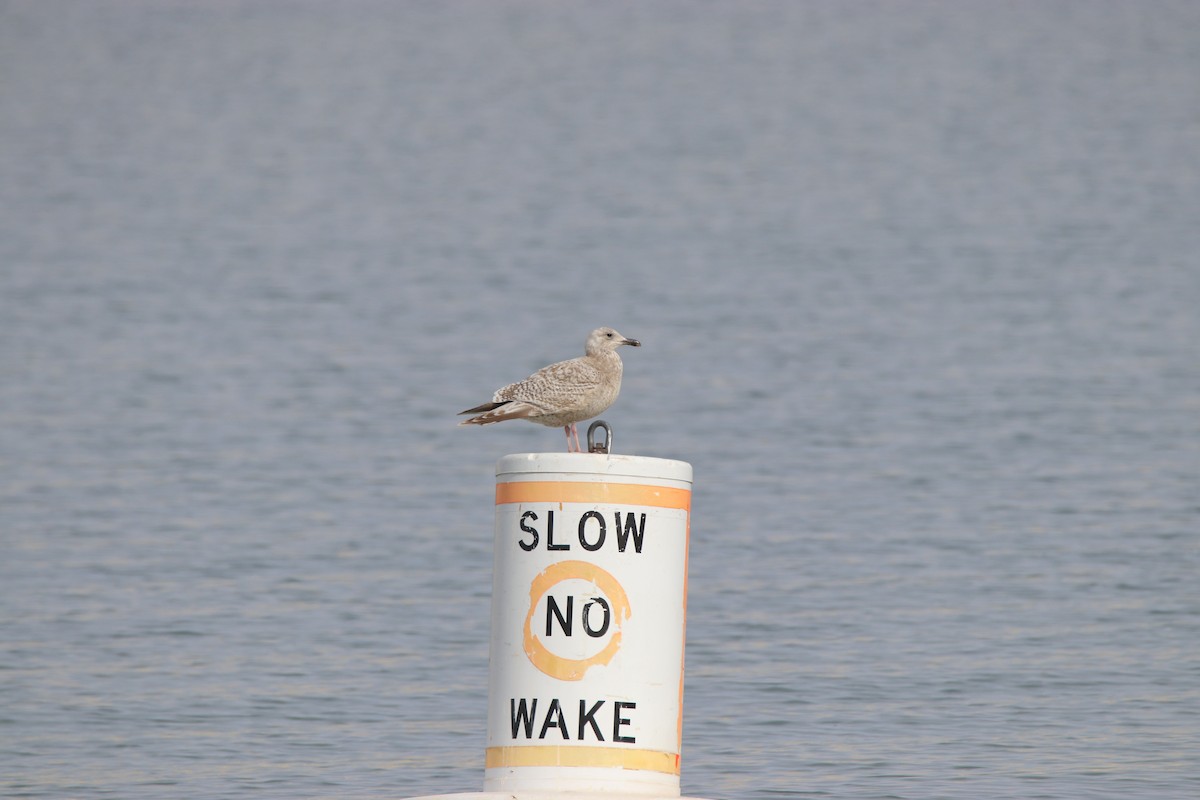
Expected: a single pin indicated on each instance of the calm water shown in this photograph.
(919, 291)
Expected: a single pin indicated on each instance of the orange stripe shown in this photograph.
(687, 544)
(632, 494)
(558, 756)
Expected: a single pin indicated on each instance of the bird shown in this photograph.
(562, 394)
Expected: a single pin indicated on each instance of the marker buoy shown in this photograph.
(589, 601)
(589, 607)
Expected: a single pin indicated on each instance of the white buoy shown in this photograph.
(589, 598)
(589, 605)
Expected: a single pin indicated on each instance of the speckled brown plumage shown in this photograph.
(565, 393)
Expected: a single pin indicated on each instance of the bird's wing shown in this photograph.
(558, 387)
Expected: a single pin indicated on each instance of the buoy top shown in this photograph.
(595, 466)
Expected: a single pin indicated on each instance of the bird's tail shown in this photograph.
(498, 412)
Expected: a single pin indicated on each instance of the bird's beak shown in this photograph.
(631, 342)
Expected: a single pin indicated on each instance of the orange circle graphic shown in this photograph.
(569, 669)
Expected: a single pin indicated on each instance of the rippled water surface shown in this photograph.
(920, 296)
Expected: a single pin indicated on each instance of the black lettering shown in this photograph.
(589, 717)
(522, 715)
(550, 545)
(618, 721)
(564, 620)
(560, 723)
(583, 527)
(533, 516)
(638, 531)
(603, 629)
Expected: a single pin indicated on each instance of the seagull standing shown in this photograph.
(565, 393)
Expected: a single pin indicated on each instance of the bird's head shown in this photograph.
(603, 339)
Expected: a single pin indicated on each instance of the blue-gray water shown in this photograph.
(919, 288)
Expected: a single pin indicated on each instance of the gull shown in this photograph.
(565, 393)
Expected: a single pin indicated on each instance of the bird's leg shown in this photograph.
(575, 431)
(567, 431)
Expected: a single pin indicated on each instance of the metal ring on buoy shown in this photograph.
(600, 447)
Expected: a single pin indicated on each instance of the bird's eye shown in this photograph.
(609, 335)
